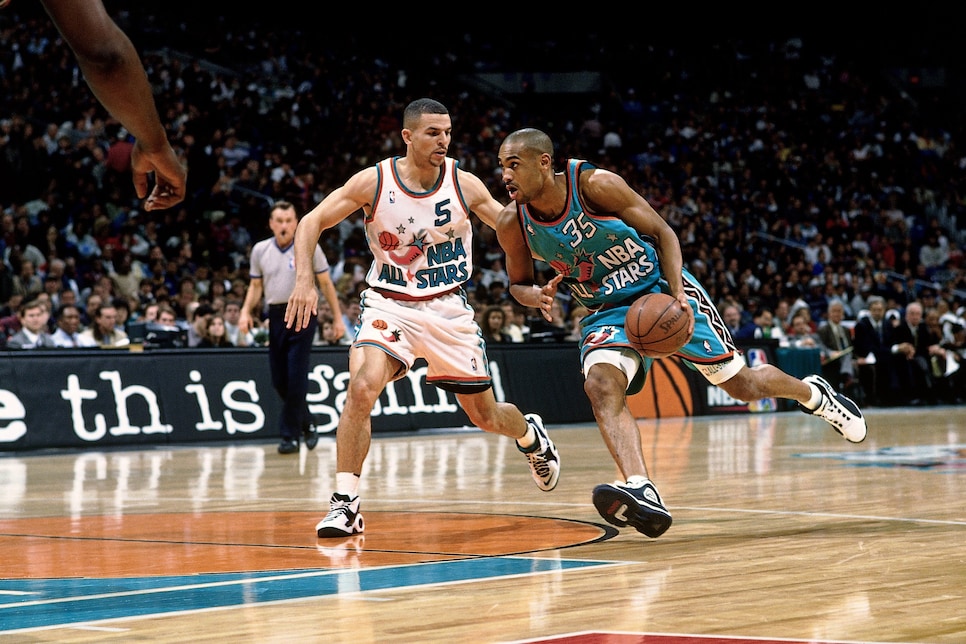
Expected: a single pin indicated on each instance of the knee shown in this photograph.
(605, 386)
(362, 390)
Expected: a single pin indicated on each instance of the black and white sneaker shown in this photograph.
(542, 455)
(633, 503)
(343, 519)
(838, 411)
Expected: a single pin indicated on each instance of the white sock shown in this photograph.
(346, 483)
(527, 440)
(637, 481)
(815, 399)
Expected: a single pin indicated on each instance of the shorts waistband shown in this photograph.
(277, 307)
(406, 297)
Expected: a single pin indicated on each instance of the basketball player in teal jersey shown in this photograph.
(610, 247)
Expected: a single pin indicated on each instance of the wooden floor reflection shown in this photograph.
(781, 530)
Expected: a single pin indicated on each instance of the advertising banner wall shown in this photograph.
(83, 398)
(96, 398)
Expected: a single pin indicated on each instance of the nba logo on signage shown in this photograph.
(755, 357)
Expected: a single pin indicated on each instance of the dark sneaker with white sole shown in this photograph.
(635, 504)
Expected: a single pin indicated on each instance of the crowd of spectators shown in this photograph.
(794, 175)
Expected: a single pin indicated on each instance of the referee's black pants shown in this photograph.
(289, 355)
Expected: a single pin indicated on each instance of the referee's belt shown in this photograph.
(406, 297)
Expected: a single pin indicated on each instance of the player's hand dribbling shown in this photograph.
(685, 304)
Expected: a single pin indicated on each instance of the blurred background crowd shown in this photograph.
(798, 172)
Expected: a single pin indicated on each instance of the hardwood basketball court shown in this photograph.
(782, 531)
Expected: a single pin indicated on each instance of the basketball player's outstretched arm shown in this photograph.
(356, 193)
(115, 74)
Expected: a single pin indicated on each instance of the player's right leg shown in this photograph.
(633, 502)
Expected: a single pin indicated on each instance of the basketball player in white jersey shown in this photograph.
(417, 218)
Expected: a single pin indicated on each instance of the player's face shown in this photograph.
(431, 138)
(521, 172)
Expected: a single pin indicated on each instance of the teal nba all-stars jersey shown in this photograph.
(608, 264)
(603, 261)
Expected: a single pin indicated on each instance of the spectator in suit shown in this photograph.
(873, 342)
(68, 335)
(33, 333)
(910, 350)
(836, 341)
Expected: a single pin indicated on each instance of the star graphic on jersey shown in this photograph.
(600, 336)
(411, 220)
(392, 336)
(419, 241)
(612, 237)
(584, 263)
(451, 234)
(400, 229)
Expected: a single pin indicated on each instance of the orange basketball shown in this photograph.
(388, 241)
(657, 325)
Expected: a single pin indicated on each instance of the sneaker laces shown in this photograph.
(832, 409)
(339, 508)
(539, 463)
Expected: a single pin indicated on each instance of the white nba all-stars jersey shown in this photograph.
(422, 242)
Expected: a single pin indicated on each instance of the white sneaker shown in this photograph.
(543, 456)
(838, 411)
(343, 518)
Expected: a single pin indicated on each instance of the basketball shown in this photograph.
(388, 241)
(657, 325)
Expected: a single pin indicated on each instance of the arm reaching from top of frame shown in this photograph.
(115, 74)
